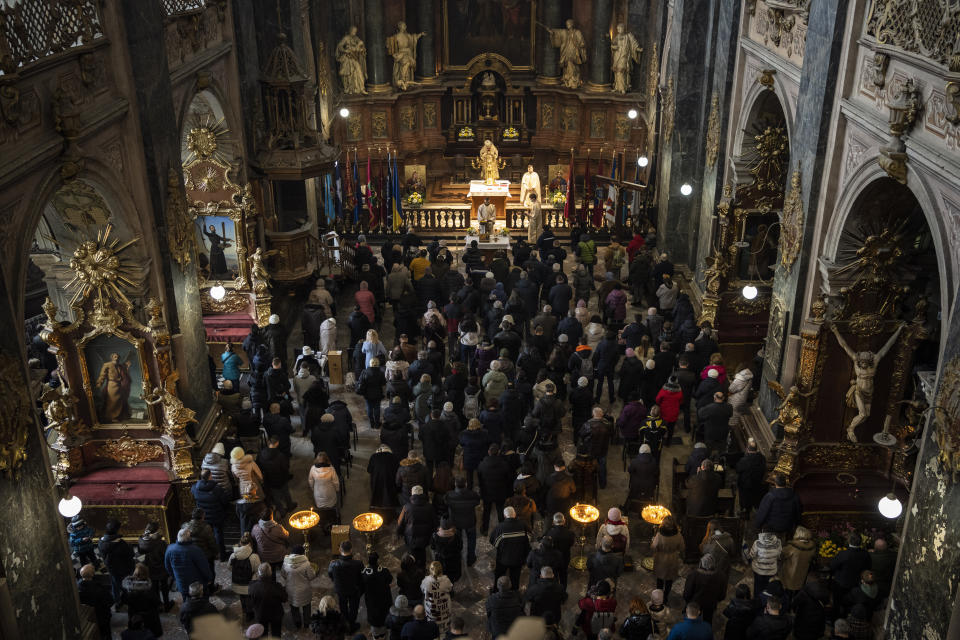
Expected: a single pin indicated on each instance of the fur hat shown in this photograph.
(218, 449)
(274, 319)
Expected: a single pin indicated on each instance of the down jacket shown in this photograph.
(219, 470)
(187, 564)
(298, 574)
(271, 539)
(325, 484)
(249, 479)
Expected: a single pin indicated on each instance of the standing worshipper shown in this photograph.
(376, 594)
(436, 589)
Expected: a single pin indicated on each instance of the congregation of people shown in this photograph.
(497, 368)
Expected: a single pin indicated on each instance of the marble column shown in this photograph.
(153, 100)
(549, 71)
(426, 57)
(378, 77)
(600, 51)
(38, 594)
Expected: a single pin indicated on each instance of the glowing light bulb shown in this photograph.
(344, 112)
(643, 161)
(632, 114)
(69, 506)
(749, 292)
(890, 506)
(686, 189)
(217, 292)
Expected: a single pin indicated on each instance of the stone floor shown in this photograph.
(472, 589)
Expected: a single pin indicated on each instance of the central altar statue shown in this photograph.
(489, 163)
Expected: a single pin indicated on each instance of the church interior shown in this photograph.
(197, 197)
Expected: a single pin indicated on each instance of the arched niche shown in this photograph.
(205, 126)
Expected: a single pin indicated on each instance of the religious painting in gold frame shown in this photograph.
(490, 28)
(112, 365)
(221, 211)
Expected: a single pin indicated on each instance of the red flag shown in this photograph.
(585, 208)
(371, 202)
(597, 218)
(348, 191)
(570, 207)
(381, 199)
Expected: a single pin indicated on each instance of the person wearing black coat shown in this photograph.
(847, 566)
(512, 546)
(563, 541)
(399, 615)
(117, 555)
(278, 425)
(740, 613)
(395, 432)
(213, 500)
(446, 544)
(347, 575)
(417, 521)
(772, 625)
(508, 338)
(95, 595)
(376, 590)
(714, 421)
(543, 556)
(703, 491)
(810, 611)
(152, 547)
(546, 594)
(141, 600)
(706, 587)
(751, 469)
(644, 473)
(706, 388)
(561, 488)
(605, 358)
(359, 324)
(412, 473)
(436, 441)
(779, 510)
(278, 384)
(275, 466)
(475, 442)
(275, 337)
(382, 468)
(496, 484)
(461, 505)
(198, 605)
(370, 386)
(503, 607)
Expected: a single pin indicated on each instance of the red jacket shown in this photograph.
(589, 605)
(669, 402)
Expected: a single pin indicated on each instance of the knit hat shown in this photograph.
(255, 630)
(361, 238)
(274, 319)
(583, 382)
(507, 318)
(327, 417)
(218, 449)
(614, 514)
(713, 373)
(417, 490)
(236, 453)
(488, 274)
(307, 351)
(563, 339)
(651, 364)
(656, 597)
(645, 448)
(448, 406)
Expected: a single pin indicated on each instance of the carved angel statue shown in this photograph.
(59, 406)
(860, 393)
(258, 272)
(790, 414)
(176, 416)
(625, 51)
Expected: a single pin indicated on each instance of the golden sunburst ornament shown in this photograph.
(202, 142)
(207, 137)
(98, 268)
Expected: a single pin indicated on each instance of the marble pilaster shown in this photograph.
(600, 46)
(426, 56)
(378, 77)
(549, 71)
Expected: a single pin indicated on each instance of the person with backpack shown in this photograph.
(587, 251)
(475, 441)
(243, 566)
(597, 610)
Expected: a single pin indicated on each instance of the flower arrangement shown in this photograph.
(415, 198)
(504, 232)
(465, 133)
(511, 133)
(473, 231)
(558, 197)
(828, 549)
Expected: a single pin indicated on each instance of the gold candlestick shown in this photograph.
(584, 514)
(368, 524)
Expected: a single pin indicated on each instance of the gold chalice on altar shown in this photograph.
(584, 514)
(368, 524)
(655, 515)
(304, 521)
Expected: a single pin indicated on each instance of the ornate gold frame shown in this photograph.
(211, 175)
(533, 45)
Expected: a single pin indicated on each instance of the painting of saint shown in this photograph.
(497, 26)
(114, 368)
(216, 239)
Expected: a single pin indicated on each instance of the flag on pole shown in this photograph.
(598, 196)
(348, 187)
(609, 209)
(357, 191)
(371, 195)
(382, 196)
(585, 208)
(397, 209)
(570, 207)
(328, 197)
(338, 195)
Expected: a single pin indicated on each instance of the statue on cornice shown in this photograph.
(625, 51)
(573, 53)
(352, 56)
(403, 47)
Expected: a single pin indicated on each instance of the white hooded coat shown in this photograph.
(298, 574)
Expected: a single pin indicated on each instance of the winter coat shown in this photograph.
(740, 614)
(81, 539)
(715, 420)
(202, 534)
(249, 479)
(275, 465)
(382, 468)
(395, 432)
(779, 511)
(847, 565)
(436, 600)
(328, 336)
(669, 401)
(637, 627)
(219, 470)
(142, 600)
(152, 547)
(376, 594)
(796, 558)
(546, 595)
(770, 627)
(211, 497)
(410, 474)
(325, 484)
(436, 440)
(503, 608)
(705, 587)
(603, 565)
(644, 473)
(764, 554)
(116, 554)
(267, 598)
(195, 608)
(461, 504)
(494, 383)
(619, 532)
(616, 303)
(187, 564)
(475, 443)
(417, 521)
(496, 479)
(561, 488)
(751, 469)
(231, 365)
(631, 374)
(704, 488)
(370, 384)
(605, 356)
(331, 626)
(739, 391)
(347, 575)
(511, 542)
(667, 556)
(810, 613)
(298, 575)
(448, 549)
(596, 435)
(272, 540)
(241, 553)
